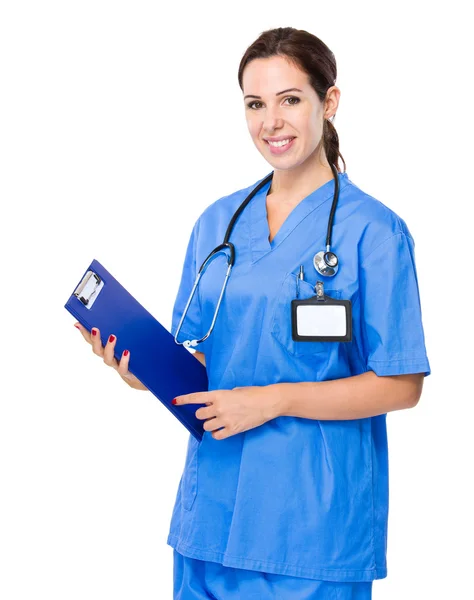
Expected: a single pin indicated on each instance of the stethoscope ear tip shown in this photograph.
(190, 343)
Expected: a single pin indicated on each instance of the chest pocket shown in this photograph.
(281, 318)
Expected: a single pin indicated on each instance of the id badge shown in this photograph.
(321, 318)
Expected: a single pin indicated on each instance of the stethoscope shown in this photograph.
(325, 262)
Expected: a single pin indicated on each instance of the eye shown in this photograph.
(253, 102)
(250, 104)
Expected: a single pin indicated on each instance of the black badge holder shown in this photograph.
(321, 318)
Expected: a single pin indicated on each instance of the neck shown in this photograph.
(302, 179)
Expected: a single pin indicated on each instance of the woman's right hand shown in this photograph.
(107, 353)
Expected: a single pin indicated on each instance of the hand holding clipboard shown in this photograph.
(107, 354)
(162, 366)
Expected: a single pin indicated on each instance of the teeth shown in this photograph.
(281, 143)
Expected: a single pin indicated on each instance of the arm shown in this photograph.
(356, 397)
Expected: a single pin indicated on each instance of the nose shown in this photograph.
(272, 119)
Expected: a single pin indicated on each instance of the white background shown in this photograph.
(120, 123)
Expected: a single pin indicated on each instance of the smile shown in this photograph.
(281, 146)
(280, 143)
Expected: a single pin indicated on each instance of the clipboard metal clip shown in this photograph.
(89, 288)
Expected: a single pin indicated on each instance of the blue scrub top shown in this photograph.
(294, 496)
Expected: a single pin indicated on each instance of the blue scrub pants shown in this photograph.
(195, 579)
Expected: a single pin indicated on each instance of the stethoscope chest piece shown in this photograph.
(326, 263)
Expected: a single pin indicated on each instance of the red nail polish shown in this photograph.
(111, 338)
(174, 401)
(125, 352)
(94, 332)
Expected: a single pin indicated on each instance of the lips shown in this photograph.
(277, 150)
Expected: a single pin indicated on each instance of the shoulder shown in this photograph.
(374, 221)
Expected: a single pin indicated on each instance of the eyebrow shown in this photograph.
(277, 94)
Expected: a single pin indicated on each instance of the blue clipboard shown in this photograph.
(164, 367)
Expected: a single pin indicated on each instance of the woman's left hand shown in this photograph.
(235, 410)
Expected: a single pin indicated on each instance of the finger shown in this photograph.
(222, 434)
(96, 342)
(207, 412)
(194, 398)
(213, 424)
(109, 357)
(85, 334)
(123, 365)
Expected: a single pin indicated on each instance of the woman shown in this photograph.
(287, 494)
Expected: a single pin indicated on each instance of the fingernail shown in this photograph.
(94, 332)
(125, 352)
(111, 338)
(174, 401)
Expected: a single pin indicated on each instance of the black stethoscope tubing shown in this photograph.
(328, 257)
(238, 212)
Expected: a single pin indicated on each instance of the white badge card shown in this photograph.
(321, 319)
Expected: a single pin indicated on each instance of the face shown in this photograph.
(297, 114)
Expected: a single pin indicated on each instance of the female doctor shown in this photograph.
(286, 497)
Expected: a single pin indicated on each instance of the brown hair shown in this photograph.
(313, 57)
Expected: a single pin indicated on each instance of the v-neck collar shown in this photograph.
(259, 230)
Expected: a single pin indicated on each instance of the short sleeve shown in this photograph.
(392, 330)
(191, 327)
